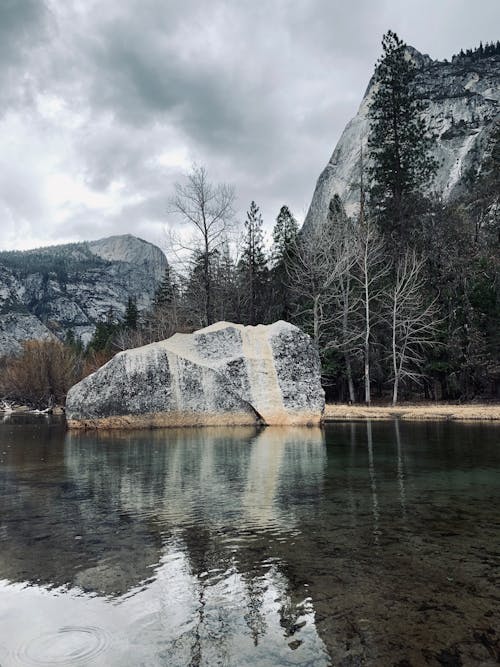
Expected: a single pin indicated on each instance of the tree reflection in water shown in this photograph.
(365, 543)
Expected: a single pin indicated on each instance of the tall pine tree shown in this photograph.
(166, 290)
(399, 143)
(285, 235)
(253, 267)
(131, 314)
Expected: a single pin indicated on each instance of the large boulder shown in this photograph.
(223, 374)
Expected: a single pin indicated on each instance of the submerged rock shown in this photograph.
(223, 374)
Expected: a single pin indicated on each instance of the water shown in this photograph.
(359, 544)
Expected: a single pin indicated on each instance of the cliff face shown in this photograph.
(463, 102)
(48, 291)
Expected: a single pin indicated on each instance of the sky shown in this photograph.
(106, 104)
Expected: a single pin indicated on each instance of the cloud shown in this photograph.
(103, 105)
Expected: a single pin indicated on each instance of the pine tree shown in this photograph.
(226, 293)
(285, 236)
(253, 266)
(399, 143)
(131, 314)
(165, 292)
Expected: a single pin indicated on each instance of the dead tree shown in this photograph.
(412, 322)
(372, 268)
(208, 207)
(314, 275)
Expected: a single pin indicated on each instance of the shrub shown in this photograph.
(42, 374)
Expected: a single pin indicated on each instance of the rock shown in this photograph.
(59, 288)
(463, 102)
(17, 328)
(225, 374)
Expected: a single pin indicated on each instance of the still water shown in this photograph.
(360, 544)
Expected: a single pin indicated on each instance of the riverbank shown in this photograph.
(430, 411)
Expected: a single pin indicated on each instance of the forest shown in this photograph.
(402, 300)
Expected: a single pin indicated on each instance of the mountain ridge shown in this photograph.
(45, 292)
(463, 106)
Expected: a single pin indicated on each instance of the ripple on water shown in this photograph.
(69, 645)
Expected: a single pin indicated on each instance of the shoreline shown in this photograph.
(430, 412)
(343, 412)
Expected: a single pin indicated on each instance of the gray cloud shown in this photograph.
(103, 104)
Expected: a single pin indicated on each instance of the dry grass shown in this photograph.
(431, 411)
(41, 375)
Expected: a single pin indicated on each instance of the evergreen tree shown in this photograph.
(131, 314)
(103, 336)
(226, 293)
(399, 143)
(165, 292)
(285, 236)
(253, 266)
(193, 294)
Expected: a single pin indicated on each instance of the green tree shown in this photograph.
(399, 142)
(226, 292)
(285, 237)
(102, 339)
(253, 267)
(131, 314)
(166, 291)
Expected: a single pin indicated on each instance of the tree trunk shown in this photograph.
(345, 323)
(316, 315)
(367, 331)
(207, 286)
(395, 387)
(350, 383)
(394, 353)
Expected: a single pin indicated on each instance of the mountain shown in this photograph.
(463, 106)
(49, 291)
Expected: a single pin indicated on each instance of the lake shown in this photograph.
(357, 544)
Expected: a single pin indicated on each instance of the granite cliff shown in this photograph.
(463, 105)
(48, 291)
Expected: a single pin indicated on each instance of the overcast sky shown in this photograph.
(105, 103)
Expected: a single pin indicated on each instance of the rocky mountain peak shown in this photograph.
(130, 249)
(48, 291)
(463, 106)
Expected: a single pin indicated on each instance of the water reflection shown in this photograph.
(176, 526)
(400, 468)
(240, 546)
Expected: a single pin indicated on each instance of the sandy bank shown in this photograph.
(468, 412)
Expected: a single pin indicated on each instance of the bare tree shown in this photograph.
(373, 267)
(208, 207)
(412, 322)
(314, 276)
(347, 302)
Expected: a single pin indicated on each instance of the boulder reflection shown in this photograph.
(185, 527)
(105, 506)
(246, 547)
